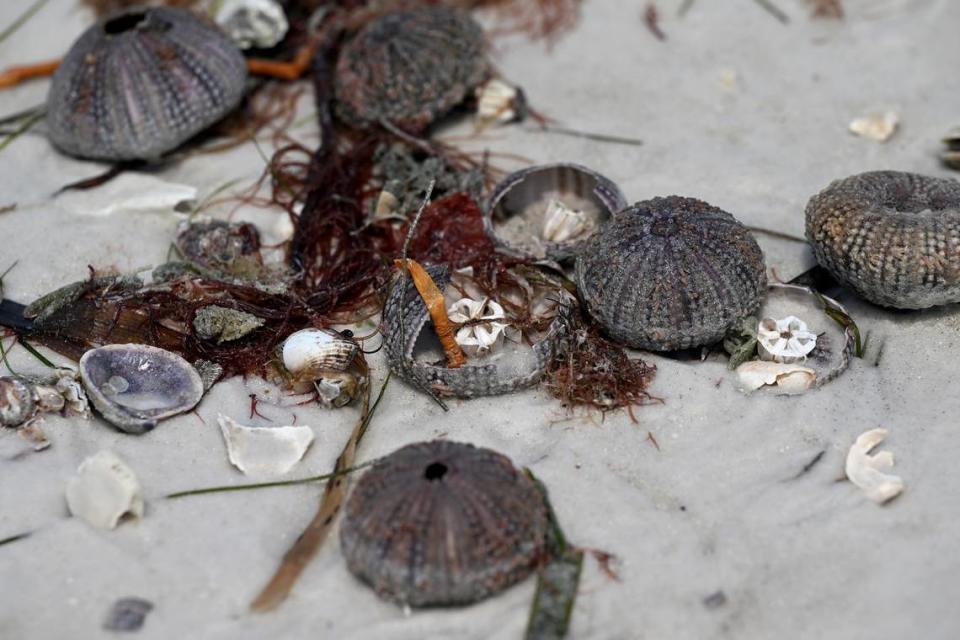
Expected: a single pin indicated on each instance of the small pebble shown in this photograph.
(127, 614)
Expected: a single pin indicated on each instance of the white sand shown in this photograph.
(715, 509)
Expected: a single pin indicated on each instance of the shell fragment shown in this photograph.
(789, 378)
(104, 490)
(867, 471)
(264, 450)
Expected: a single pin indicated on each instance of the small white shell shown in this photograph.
(788, 378)
(264, 450)
(786, 340)
(876, 126)
(311, 351)
(253, 23)
(867, 472)
(104, 490)
(499, 102)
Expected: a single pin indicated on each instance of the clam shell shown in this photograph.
(141, 83)
(443, 523)
(515, 214)
(409, 67)
(671, 273)
(17, 404)
(309, 352)
(134, 386)
(892, 237)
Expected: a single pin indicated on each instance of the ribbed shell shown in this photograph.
(443, 523)
(892, 237)
(311, 351)
(409, 67)
(141, 83)
(671, 273)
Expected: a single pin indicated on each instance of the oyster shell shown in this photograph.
(890, 236)
(443, 523)
(327, 361)
(134, 386)
(671, 273)
(548, 211)
(141, 83)
(409, 68)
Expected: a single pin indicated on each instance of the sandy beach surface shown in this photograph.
(735, 108)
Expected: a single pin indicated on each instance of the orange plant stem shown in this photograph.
(433, 298)
(15, 75)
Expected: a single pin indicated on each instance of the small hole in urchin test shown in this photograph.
(435, 471)
(126, 22)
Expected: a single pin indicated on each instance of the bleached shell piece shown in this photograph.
(269, 451)
(876, 126)
(563, 223)
(253, 23)
(309, 351)
(789, 378)
(134, 386)
(786, 340)
(867, 471)
(104, 490)
(498, 101)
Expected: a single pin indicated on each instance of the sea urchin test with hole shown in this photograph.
(892, 237)
(670, 273)
(409, 68)
(141, 83)
(443, 523)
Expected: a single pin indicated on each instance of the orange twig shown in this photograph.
(15, 75)
(433, 298)
(291, 70)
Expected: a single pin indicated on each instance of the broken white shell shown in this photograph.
(867, 471)
(499, 102)
(876, 126)
(788, 378)
(563, 223)
(253, 23)
(104, 490)
(264, 450)
(786, 340)
(134, 386)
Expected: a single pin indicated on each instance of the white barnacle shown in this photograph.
(867, 471)
(499, 102)
(786, 340)
(253, 23)
(483, 328)
(561, 223)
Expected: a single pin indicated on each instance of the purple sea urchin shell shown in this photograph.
(443, 523)
(671, 273)
(892, 237)
(409, 68)
(515, 214)
(141, 83)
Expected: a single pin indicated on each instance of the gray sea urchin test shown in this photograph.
(892, 237)
(443, 523)
(141, 83)
(670, 273)
(409, 67)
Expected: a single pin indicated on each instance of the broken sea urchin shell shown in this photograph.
(443, 523)
(405, 309)
(670, 273)
(141, 83)
(892, 237)
(134, 386)
(327, 361)
(547, 211)
(409, 68)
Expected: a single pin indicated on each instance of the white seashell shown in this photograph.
(264, 450)
(310, 351)
(876, 126)
(867, 471)
(786, 340)
(386, 207)
(104, 490)
(253, 23)
(499, 102)
(561, 223)
(789, 378)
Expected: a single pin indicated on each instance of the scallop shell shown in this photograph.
(327, 361)
(517, 213)
(671, 273)
(141, 83)
(409, 68)
(443, 523)
(892, 237)
(134, 386)
(17, 404)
